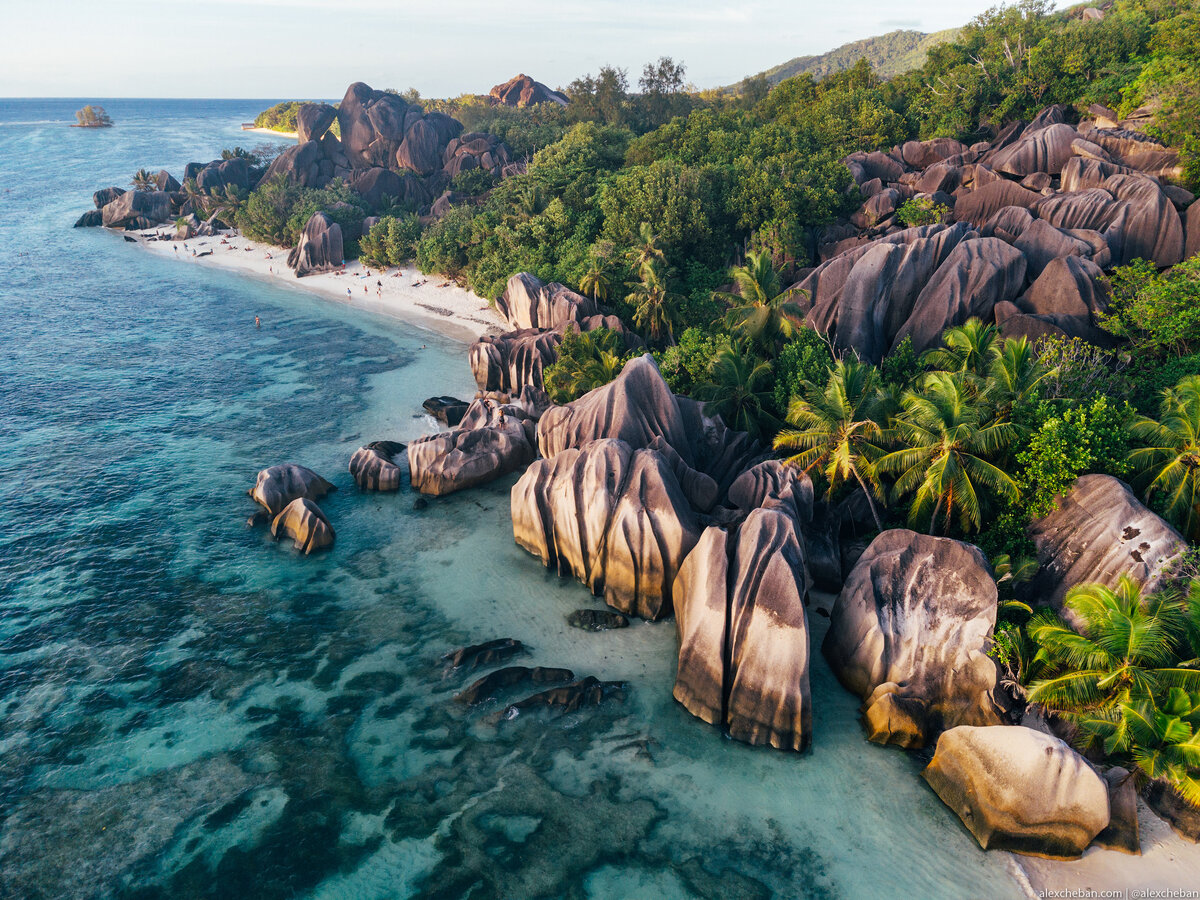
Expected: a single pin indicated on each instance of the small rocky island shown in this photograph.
(92, 117)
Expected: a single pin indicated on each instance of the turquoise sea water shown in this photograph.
(188, 709)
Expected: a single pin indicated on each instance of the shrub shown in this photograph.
(392, 241)
(922, 211)
(805, 357)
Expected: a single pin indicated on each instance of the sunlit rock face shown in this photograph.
(1019, 789)
(909, 634)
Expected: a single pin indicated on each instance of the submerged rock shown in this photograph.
(909, 635)
(304, 522)
(373, 468)
(589, 691)
(485, 654)
(278, 486)
(597, 620)
(1020, 790)
(493, 683)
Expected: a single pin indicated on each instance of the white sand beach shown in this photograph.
(272, 132)
(431, 302)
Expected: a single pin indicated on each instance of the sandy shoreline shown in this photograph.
(430, 302)
(272, 132)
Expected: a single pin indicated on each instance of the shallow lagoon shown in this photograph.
(188, 709)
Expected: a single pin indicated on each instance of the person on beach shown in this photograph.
(348, 295)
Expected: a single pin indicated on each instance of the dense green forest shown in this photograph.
(888, 54)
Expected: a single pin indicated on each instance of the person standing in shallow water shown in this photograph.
(257, 323)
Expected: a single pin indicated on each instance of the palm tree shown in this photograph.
(762, 312)
(227, 202)
(646, 251)
(654, 304)
(586, 360)
(1015, 373)
(946, 436)
(966, 349)
(1118, 676)
(144, 181)
(739, 390)
(195, 196)
(1169, 464)
(529, 200)
(839, 429)
(596, 282)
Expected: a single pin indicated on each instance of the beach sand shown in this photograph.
(431, 302)
(272, 132)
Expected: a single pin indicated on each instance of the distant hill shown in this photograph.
(889, 54)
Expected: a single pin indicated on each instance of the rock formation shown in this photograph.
(1099, 532)
(313, 120)
(134, 210)
(614, 517)
(303, 521)
(319, 248)
(909, 634)
(1048, 189)
(522, 90)
(278, 486)
(1021, 790)
(528, 303)
(491, 441)
(374, 468)
(743, 630)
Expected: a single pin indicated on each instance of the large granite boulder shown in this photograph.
(1193, 231)
(743, 631)
(372, 125)
(491, 441)
(1020, 790)
(883, 287)
(1070, 293)
(379, 187)
(975, 277)
(319, 248)
(980, 205)
(93, 218)
(165, 181)
(374, 467)
(421, 150)
(528, 303)
(614, 517)
(222, 173)
(313, 120)
(1151, 228)
(276, 487)
(300, 164)
(636, 407)
(524, 91)
(1098, 533)
(305, 523)
(105, 196)
(137, 209)
(909, 634)
(1042, 150)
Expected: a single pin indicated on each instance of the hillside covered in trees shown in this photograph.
(888, 55)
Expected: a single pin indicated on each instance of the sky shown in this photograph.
(312, 49)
